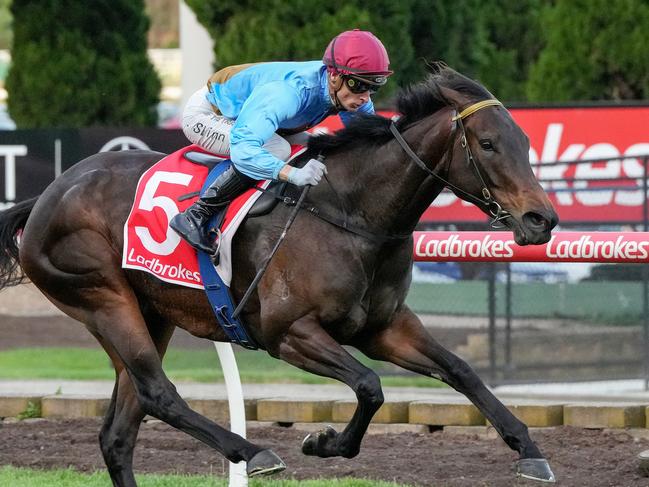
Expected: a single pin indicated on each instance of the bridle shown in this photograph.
(494, 208)
(499, 215)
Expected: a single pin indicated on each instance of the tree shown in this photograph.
(492, 41)
(521, 50)
(508, 44)
(77, 64)
(595, 50)
(273, 30)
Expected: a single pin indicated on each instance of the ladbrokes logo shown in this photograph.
(454, 247)
(164, 270)
(586, 248)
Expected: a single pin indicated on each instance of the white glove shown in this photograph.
(311, 173)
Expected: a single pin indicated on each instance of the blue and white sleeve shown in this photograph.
(260, 117)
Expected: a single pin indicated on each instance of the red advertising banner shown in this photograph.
(568, 134)
(629, 247)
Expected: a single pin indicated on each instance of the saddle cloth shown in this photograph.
(151, 246)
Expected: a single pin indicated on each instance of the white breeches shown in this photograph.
(210, 131)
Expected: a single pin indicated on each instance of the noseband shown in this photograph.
(499, 215)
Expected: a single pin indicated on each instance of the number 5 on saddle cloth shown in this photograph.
(151, 245)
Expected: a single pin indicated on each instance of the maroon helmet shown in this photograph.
(358, 53)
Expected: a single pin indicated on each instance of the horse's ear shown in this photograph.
(434, 67)
(440, 72)
(451, 97)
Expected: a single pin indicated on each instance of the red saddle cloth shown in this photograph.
(151, 246)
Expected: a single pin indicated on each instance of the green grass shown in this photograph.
(23, 477)
(180, 365)
(607, 302)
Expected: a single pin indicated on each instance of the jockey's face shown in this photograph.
(349, 101)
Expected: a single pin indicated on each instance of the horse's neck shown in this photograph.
(383, 188)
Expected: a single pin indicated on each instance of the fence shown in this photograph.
(540, 300)
(587, 326)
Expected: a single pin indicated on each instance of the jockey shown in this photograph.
(248, 112)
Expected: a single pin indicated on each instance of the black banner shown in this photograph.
(31, 159)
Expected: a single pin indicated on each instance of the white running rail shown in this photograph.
(238, 475)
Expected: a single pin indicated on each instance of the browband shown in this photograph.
(475, 107)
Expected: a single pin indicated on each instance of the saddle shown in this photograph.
(217, 291)
(151, 246)
(272, 195)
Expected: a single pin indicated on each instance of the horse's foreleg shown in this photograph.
(407, 343)
(307, 346)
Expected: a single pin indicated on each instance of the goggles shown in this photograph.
(361, 85)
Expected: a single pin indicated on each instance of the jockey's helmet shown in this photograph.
(360, 54)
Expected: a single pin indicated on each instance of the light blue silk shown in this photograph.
(266, 97)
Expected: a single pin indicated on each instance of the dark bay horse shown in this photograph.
(325, 288)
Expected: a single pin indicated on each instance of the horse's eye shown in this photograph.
(486, 144)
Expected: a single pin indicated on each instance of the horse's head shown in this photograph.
(490, 164)
(453, 129)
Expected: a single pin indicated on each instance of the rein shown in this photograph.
(494, 208)
(487, 200)
(378, 238)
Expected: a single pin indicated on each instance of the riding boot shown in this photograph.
(191, 224)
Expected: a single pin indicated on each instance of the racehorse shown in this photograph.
(329, 284)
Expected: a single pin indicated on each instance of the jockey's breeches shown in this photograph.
(211, 131)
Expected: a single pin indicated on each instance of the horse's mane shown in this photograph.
(413, 103)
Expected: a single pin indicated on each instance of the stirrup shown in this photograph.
(216, 232)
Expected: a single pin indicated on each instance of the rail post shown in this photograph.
(238, 474)
(492, 320)
(508, 323)
(645, 280)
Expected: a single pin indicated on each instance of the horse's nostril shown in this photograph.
(536, 221)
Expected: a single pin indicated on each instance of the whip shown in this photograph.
(260, 273)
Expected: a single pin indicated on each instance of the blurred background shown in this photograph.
(76, 79)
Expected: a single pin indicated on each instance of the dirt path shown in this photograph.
(579, 457)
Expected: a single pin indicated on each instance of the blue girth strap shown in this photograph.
(218, 293)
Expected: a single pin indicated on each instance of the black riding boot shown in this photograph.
(191, 224)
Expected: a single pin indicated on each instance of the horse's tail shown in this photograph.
(12, 221)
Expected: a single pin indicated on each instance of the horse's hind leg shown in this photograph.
(119, 432)
(79, 269)
(308, 346)
(124, 416)
(121, 325)
(407, 343)
(116, 319)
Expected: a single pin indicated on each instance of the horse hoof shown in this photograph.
(314, 444)
(264, 463)
(643, 467)
(535, 469)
